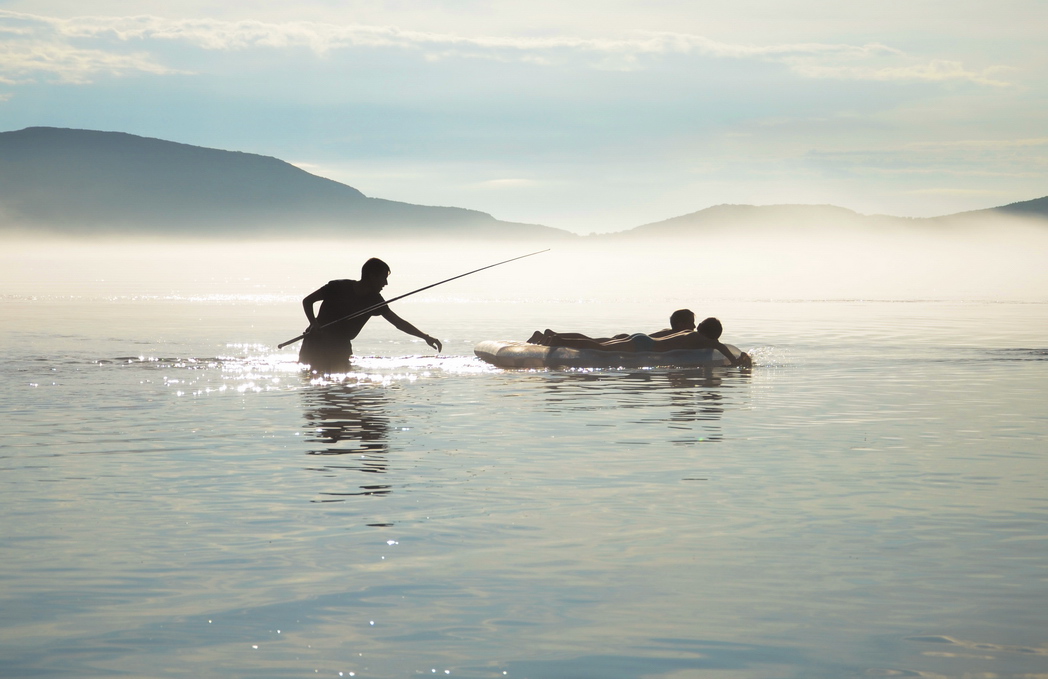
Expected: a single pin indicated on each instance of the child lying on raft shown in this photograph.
(706, 336)
(680, 321)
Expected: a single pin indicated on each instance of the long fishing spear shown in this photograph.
(373, 307)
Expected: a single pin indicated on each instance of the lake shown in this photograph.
(180, 499)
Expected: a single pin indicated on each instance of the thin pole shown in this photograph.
(374, 307)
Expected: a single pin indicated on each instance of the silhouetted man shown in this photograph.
(327, 349)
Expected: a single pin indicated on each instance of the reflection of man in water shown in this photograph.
(347, 420)
(348, 430)
(328, 349)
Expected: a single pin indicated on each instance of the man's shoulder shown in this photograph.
(339, 291)
(342, 284)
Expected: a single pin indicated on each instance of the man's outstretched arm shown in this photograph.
(405, 327)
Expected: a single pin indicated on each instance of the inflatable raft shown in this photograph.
(506, 354)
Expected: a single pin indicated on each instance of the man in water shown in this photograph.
(681, 320)
(327, 349)
(705, 336)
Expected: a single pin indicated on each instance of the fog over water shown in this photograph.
(1001, 260)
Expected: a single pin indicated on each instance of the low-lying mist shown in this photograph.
(1002, 260)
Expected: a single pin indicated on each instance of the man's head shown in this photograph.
(682, 319)
(711, 328)
(374, 273)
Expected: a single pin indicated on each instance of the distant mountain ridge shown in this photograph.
(1038, 208)
(800, 219)
(86, 181)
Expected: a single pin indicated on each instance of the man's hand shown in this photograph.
(433, 342)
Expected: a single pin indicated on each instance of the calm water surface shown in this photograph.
(178, 499)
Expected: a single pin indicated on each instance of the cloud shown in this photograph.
(1019, 158)
(507, 184)
(34, 38)
(957, 192)
(31, 50)
(985, 143)
(937, 70)
(22, 63)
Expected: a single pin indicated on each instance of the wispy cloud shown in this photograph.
(1018, 158)
(984, 143)
(45, 45)
(957, 192)
(33, 49)
(936, 70)
(22, 63)
(509, 183)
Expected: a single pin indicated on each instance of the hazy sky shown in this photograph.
(589, 116)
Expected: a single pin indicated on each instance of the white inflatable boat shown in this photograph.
(506, 354)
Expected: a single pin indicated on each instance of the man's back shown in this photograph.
(343, 298)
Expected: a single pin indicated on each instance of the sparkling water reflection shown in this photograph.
(857, 505)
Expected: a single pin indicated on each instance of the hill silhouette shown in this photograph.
(1034, 209)
(814, 219)
(84, 181)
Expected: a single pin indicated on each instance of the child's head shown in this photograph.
(711, 328)
(682, 319)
